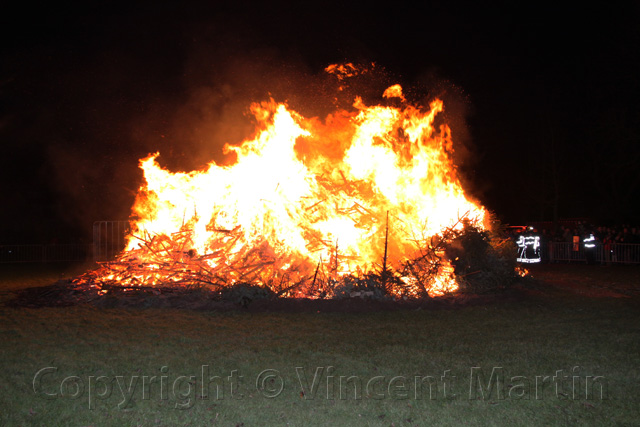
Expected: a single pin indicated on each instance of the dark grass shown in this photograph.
(551, 327)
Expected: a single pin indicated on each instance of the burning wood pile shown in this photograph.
(366, 198)
(164, 261)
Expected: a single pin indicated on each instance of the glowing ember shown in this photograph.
(308, 201)
(521, 271)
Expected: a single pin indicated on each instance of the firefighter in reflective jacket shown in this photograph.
(529, 247)
(590, 248)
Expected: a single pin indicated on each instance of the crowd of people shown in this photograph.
(581, 240)
(603, 234)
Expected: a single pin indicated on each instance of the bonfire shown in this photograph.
(311, 205)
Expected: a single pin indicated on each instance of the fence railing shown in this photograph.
(109, 238)
(45, 253)
(618, 253)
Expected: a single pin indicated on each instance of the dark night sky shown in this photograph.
(545, 99)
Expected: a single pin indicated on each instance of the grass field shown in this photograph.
(555, 356)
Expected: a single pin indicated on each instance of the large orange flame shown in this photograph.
(340, 193)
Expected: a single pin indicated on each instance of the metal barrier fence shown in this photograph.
(108, 239)
(619, 253)
(44, 253)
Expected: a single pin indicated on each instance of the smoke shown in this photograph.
(215, 108)
(196, 102)
(458, 110)
(89, 186)
(98, 114)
